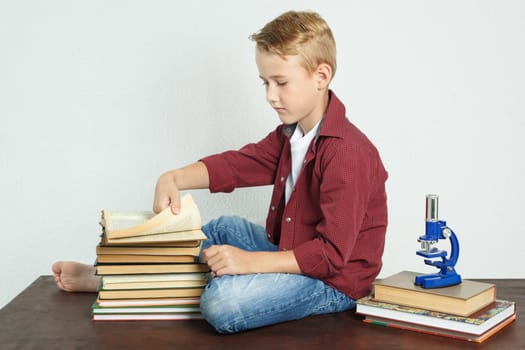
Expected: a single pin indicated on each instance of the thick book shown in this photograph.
(107, 285)
(148, 317)
(132, 258)
(98, 309)
(144, 250)
(162, 240)
(474, 325)
(189, 301)
(115, 279)
(135, 269)
(132, 224)
(150, 293)
(462, 299)
(439, 331)
(169, 239)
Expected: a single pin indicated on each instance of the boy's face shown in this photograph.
(294, 93)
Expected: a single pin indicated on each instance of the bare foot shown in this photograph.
(72, 276)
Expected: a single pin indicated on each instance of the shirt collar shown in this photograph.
(332, 122)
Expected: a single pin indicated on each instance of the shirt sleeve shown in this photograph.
(252, 165)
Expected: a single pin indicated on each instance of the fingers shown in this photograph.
(166, 194)
(160, 204)
(175, 206)
(172, 198)
(226, 260)
(167, 200)
(172, 201)
(209, 253)
(215, 260)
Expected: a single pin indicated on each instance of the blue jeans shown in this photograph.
(234, 303)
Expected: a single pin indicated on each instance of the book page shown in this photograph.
(122, 220)
(126, 224)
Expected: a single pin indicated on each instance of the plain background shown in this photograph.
(98, 98)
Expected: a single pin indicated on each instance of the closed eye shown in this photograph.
(278, 83)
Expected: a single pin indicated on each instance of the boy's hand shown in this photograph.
(193, 176)
(227, 260)
(166, 194)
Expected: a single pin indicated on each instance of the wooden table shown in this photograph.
(43, 317)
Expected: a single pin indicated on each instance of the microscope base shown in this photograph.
(438, 280)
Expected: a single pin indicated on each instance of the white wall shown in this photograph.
(98, 98)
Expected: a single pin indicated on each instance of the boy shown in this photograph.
(326, 224)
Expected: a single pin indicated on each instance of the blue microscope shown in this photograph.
(434, 231)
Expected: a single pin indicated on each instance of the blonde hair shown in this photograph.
(299, 33)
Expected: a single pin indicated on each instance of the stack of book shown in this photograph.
(467, 311)
(150, 265)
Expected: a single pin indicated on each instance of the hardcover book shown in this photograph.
(97, 309)
(108, 303)
(440, 331)
(148, 317)
(169, 239)
(141, 250)
(132, 258)
(135, 269)
(135, 313)
(188, 281)
(475, 325)
(116, 279)
(462, 299)
(150, 293)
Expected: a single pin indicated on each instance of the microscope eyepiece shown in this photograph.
(432, 208)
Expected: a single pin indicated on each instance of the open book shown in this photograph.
(141, 226)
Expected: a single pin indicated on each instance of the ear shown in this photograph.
(323, 75)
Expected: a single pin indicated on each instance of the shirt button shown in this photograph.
(288, 219)
(283, 249)
(273, 208)
(269, 235)
(282, 178)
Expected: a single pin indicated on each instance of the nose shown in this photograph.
(271, 94)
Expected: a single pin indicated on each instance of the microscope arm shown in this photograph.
(454, 246)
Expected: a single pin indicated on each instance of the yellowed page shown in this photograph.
(122, 224)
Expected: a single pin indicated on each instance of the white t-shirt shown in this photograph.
(298, 146)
